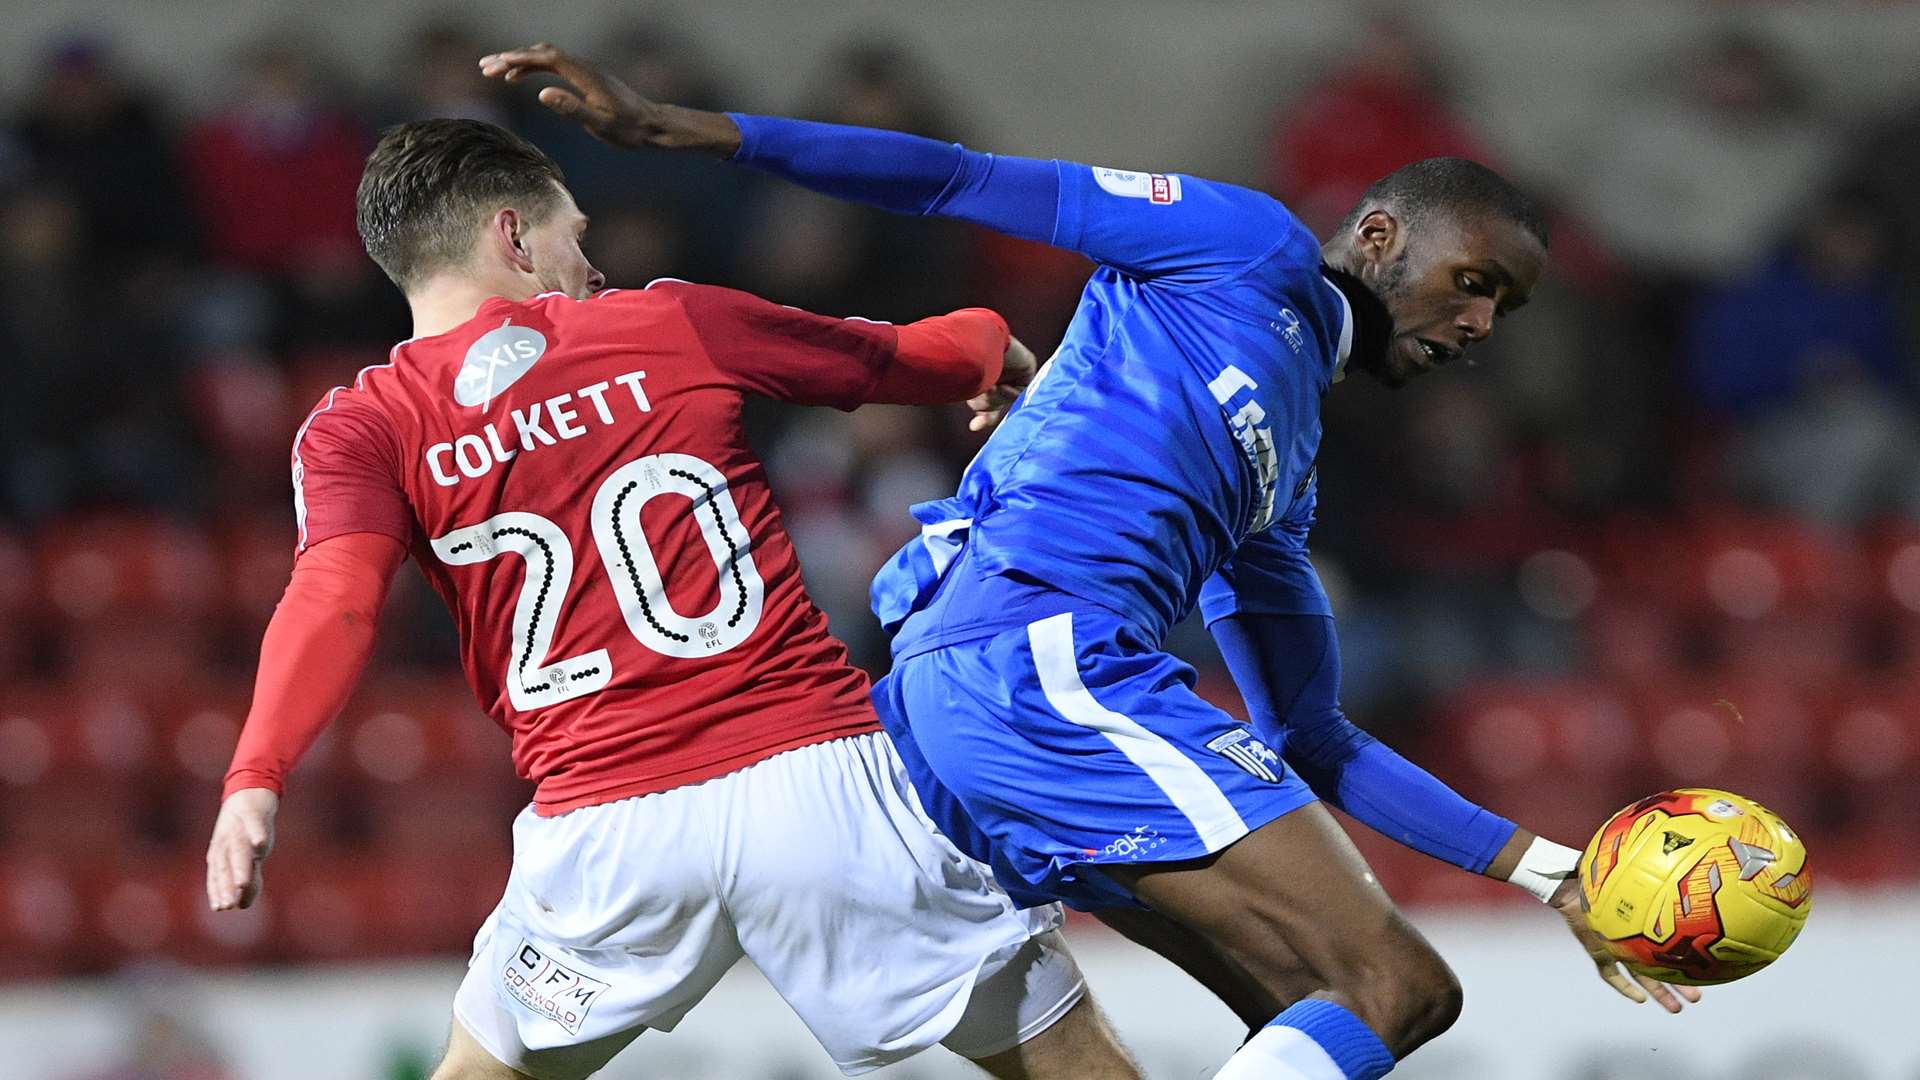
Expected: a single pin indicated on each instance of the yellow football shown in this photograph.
(1696, 886)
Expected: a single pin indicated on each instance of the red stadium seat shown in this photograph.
(132, 652)
(1730, 562)
(1507, 729)
(1870, 738)
(242, 407)
(1809, 649)
(1636, 641)
(18, 633)
(94, 566)
(41, 918)
(437, 815)
(384, 905)
(1754, 735)
(1893, 555)
(398, 727)
(256, 555)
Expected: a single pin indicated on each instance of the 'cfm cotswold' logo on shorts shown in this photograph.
(1240, 747)
(550, 988)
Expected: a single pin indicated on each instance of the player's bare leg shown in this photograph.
(466, 1059)
(1295, 897)
(1078, 1046)
(1252, 1002)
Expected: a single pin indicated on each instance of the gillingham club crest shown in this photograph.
(1240, 747)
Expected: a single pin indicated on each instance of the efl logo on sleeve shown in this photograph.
(549, 987)
(1157, 188)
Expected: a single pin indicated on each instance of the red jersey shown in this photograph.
(574, 480)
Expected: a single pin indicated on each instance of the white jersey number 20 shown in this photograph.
(533, 680)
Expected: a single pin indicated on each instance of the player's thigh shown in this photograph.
(466, 1059)
(1295, 891)
(870, 924)
(1034, 1018)
(604, 931)
(1079, 1046)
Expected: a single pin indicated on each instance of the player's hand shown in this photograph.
(609, 109)
(242, 838)
(1016, 371)
(1632, 985)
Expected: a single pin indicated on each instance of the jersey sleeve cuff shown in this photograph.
(242, 779)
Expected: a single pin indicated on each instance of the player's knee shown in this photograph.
(1409, 999)
(1431, 1008)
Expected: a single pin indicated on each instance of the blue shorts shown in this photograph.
(1052, 749)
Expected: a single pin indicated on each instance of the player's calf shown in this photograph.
(1295, 896)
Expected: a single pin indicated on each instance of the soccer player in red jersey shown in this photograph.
(567, 465)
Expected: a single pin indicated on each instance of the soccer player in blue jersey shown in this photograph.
(1163, 460)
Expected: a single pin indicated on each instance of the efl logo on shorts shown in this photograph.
(1240, 747)
(550, 988)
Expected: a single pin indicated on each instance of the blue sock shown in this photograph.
(1311, 1040)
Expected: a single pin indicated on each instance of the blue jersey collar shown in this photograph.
(1346, 330)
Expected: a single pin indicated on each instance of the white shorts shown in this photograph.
(817, 863)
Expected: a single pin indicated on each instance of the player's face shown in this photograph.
(1449, 286)
(553, 246)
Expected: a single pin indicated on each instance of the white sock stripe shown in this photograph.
(1185, 783)
(1281, 1053)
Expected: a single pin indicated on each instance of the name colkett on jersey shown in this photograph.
(543, 423)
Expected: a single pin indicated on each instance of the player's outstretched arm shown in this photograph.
(1288, 670)
(887, 169)
(315, 647)
(789, 354)
(1149, 225)
(964, 353)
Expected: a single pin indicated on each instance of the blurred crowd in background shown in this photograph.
(1666, 531)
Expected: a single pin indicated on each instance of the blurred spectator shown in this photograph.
(1384, 106)
(275, 174)
(1885, 164)
(88, 131)
(1807, 359)
(90, 416)
(275, 171)
(841, 259)
(1697, 167)
(442, 76)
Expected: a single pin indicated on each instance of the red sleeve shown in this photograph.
(785, 353)
(946, 358)
(346, 469)
(316, 645)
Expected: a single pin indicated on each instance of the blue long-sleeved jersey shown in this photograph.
(1164, 458)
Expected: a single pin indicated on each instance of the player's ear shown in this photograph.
(507, 233)
(1377, 236)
